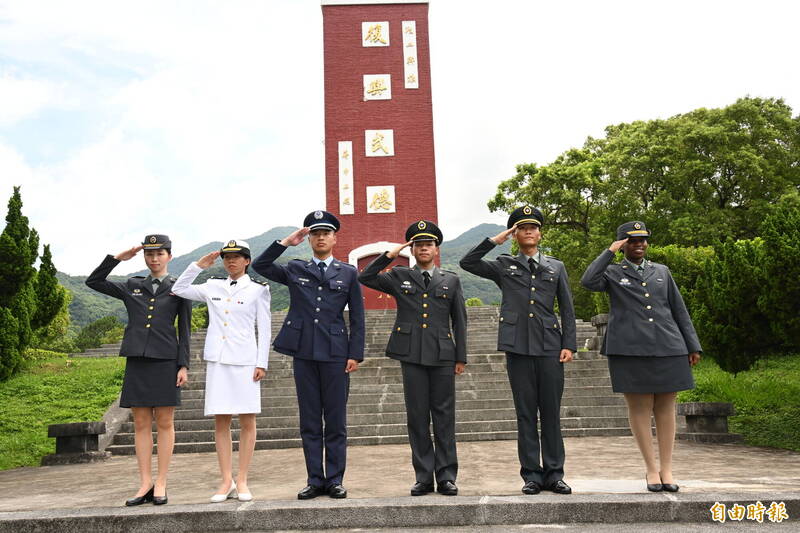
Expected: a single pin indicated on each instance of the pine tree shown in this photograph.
(50, 295)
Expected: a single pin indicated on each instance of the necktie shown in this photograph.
(322, 266)
(233, 282)
(156, 284)
(427, 276)
(532, 264)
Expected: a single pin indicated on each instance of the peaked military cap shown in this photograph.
(156, 242)
(235, 247)
(635, 228)
(525, 215)
(321, 220)
(424, 230)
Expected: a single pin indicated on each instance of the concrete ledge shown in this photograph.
(426, 511)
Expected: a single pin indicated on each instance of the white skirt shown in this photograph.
(230, 389)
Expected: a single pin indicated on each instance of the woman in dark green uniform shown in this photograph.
(157, 359)
(650, 343)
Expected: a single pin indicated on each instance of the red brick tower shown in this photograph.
(379, 161)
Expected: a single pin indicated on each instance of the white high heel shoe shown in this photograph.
(218, 498)
(245, 496)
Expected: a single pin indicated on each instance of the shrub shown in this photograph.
(199, 317)
(92, 335)
(473, 302)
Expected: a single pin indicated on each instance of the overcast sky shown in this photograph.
(205, 119)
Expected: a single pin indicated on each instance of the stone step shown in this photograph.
(369, 440)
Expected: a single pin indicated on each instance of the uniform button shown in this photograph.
(319, 288)
(149, 316)
(424, 305)
(319, 298)
(405, 292)
(224, 337)
(647, 295)
(229, 299)
(425, 295)
(533, 277)
(226, 311)
(649, 306)
(424, 325)
(150, 308)
(147, 325)
(531, 302)
(317, 309)
(644, 284)
(224, 323)
(288, 322)
(448, 335)
(533, 288)
(501, 319)
(424, 315)
(398, 329)
(316, 321)
(152, 299)
(530, 315)
(650, 319)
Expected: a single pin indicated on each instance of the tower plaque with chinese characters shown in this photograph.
(379, 149)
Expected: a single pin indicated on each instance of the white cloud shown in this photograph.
(22, 97)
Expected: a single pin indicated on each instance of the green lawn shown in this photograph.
(52, 390)
(766, 398)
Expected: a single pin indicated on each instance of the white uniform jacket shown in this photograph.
(233, 310)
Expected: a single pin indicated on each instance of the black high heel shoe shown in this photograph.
(160, 500)
(668, 487)
(653, 487)
(147, 497)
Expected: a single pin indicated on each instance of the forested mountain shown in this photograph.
(88, 305)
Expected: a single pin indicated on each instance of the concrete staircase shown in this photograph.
(376, 412)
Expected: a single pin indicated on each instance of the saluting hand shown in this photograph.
(503, 236)
(694, 358)
(296, 237)
(127, 254)
(207, 260)
(394, 253)
(616, 245)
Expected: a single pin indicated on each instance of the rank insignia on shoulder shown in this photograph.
(624, 266)
(336, 264)
(659, 279)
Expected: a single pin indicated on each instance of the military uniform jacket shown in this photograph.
(233, 313)
(647, 315)
(422, 333)
(151, 317)
(528, 324)
(314, 327)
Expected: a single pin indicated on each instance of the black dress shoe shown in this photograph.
(310, 492)
(559, 487)
(448, 488)
(670, 487)
(160, 500)
(420, 489)
(653, 487)
(147, 497)
(531, 487)
(337, 491)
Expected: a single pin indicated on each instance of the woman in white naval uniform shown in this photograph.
(235, 362)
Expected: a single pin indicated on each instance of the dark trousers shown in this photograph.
(430, 392)
(537, 384)
(322, 390)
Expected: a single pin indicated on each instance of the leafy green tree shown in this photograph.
(779, 298)
(18, 251)
(56, 336)
(92, 335)
(695, 178)
(686, 265)
(732, 328)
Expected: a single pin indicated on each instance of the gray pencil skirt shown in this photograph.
(650, 374)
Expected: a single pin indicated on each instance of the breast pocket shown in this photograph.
(407, 289)
(442, 292)
(515, 278)
(400, 340)
(339, 286)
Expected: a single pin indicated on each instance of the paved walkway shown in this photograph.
(594, 465)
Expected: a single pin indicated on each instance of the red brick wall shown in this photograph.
(408, 113)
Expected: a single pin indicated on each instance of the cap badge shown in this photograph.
(527, 210)
(231, 244)
(153, 239)
(636, 225)
(421, 224)
(318, 214)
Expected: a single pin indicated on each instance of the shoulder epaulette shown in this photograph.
(138, 277)
(448, 271)
(259, 282)
(217, 277)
